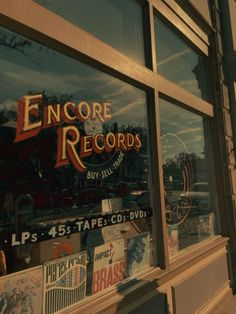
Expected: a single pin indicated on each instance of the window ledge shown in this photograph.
(151, 279)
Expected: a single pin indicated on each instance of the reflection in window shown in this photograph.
(178, 62)
(118, 23)
(188, 176)
(102, 168)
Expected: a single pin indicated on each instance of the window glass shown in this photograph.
(178, 62)
(188, 177)
(118, 23)
(74, 164)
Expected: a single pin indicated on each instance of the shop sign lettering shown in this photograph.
(72, 147)
(51, 231)
(93, 175)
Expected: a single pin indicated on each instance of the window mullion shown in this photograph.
(159, 219)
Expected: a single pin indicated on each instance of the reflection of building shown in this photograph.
(163, 95)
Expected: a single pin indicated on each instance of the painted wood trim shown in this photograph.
(178, 23)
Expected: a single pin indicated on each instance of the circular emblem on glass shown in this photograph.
(93, 126)
(178, 178)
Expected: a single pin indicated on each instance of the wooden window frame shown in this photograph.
(25, 17)
(181, 21)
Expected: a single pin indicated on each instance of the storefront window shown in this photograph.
(118, 23)
(74, 167)
(178, 62)
(188, 177)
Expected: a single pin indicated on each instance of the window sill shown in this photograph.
(151, 279)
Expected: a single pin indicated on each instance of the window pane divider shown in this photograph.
(159, 215)
(15, 15)
(185, 17)
(188, 100)
(178, 23)
(152, 37)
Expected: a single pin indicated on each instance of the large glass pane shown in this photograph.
(178, 62)
(118, 23)
(188, 176)
(74, 163)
